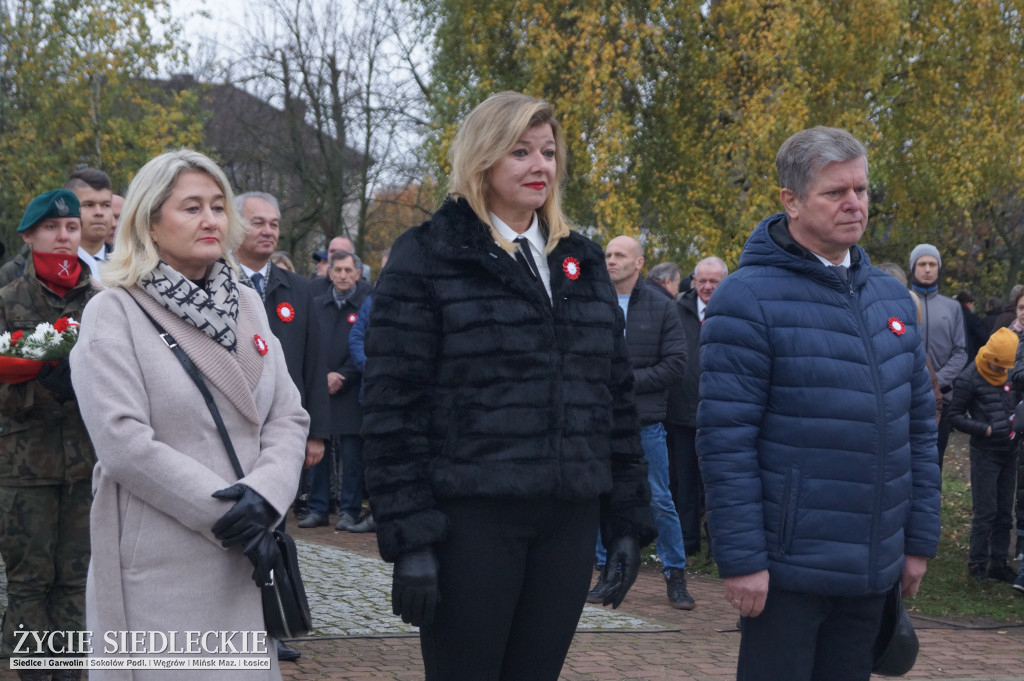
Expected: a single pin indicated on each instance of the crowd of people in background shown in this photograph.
(507, 404)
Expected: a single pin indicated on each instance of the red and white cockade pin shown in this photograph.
(571, 267)
(285, 312)
(352, 318)
(1007, 388)
(261, 345)
(896, 326)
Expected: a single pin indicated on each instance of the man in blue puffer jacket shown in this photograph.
(816, 427)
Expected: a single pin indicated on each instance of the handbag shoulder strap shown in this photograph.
(193, 373)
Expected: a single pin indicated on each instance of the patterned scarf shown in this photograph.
(213, 310)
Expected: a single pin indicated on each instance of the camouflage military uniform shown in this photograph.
(46, 462)
(15, 267)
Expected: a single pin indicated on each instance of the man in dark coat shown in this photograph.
(289, 304)
(816, 427)
(323, 284)
(338, 311)
(657, 355)
(681, 416)
(664, 278)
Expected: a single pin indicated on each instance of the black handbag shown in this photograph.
(285, 607)
(896, 646)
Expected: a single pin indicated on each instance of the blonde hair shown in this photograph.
(488, 133)
(135, 254)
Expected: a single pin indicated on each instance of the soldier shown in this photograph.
(46, 458)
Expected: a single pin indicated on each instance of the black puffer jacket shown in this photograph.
(478, 386)
(657, 350)
(683, 395)
(977, 404)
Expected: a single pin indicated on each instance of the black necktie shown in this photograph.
(525, 258)
(257, 282)
(842, 273)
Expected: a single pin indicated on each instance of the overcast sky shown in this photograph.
(222, 33)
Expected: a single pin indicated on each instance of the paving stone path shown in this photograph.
(350, 595)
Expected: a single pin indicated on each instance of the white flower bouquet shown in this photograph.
(23, 356)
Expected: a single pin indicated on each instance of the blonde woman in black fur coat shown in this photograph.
(499, 419)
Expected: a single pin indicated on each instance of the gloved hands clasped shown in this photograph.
(414, 590)
(622, 566)
(248, 523)
(57, 379)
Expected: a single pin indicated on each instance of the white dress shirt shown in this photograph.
(537, 244)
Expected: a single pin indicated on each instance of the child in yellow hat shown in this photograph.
(983, 404)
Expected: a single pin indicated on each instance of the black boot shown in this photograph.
(678, 596)
(603, 587)
(1002, 572)
(286, 654)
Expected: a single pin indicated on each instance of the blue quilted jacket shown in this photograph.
(816, 423)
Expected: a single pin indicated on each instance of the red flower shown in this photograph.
(897, 326)
(352, 318)
(571, 267)
(61, 325)
(261, 345)
(285, 312)
(17, 336)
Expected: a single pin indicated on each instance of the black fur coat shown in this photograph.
(478, 386)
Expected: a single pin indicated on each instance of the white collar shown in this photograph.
(265, 270)
(828, 263)
(532, 234)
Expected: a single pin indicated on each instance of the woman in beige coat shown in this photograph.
(158, 565)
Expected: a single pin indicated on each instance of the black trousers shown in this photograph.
(514, 575)
(943, 437)
(686, 483)
(803, 637)
(993, 478)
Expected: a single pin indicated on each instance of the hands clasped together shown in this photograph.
(248, 523)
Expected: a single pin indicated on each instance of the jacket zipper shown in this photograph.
(880, 454)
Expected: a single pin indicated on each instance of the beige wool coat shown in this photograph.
(156, 566)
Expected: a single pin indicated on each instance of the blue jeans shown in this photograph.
(350, 458)
(349, 455)
(670, 537)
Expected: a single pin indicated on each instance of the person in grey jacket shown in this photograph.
(942, 326)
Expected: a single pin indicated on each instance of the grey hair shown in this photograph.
(803, 155)
(269, 198)
(664, 272)
(341, 255)
(713, 260)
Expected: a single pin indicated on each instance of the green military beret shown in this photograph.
(56, 203)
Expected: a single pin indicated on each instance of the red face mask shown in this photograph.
(59, 271)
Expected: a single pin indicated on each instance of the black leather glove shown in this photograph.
(250, 515)
(622, 566)
(263, 553)
(414, 590)
(57, 379)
